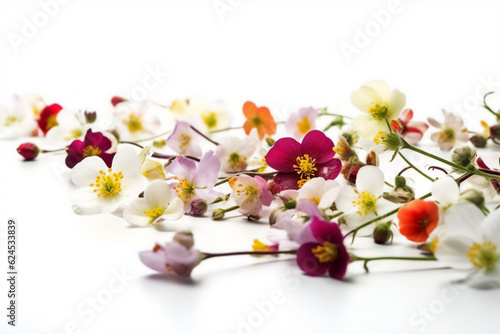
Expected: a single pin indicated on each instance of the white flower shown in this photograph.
(299, 124)
(213, 115)
(381, 105)
(70, 126)
(471, 242)
(452, 131)
(234, 153)
(320, 191)
(136, 120)
(19, 119)
(159, 203)
(103, 189)
(446, 191)
(364, 203)
(184, 140)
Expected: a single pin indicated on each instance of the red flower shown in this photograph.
(322, 249)
(494, 182)
(94, 144)
(29, 151)
(48, 117)
(299, 162)
(418, 219)
(412, 132)
(259, 118)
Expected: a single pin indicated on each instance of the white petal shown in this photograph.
(465, 219)
(364, 98)
(134, 213)
(381, 88)
(445, 190)
(175, 210)
(85, 172)
(485, 280)
(452, 250)
(158, 193)
(370, 179)
(490, 228)
(126, 161)
(397, 102)
(345, 200)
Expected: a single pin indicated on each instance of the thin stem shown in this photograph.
(227, 129)
(52, 151)
(154, 137)
(368, 259)
(485, 105)
(263, 175)
(211, 255)
(204, 136)
(415, 168)
(160, 155)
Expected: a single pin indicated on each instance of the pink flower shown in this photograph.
(177, 257)
(94, 144)
(299, 124)
(184, 140)
(250, 193)
(412, 132)
(195, 180)
(297, 163)
(322, 249)
(452, 131)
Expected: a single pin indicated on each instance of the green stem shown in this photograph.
(368, 259)
(415, 168)
(485, 105)
(154, 137)
(332, 114)
(211, 255)
(52, 151)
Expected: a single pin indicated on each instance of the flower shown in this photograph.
(445, 191)
(69, 126)
(94, 144)
(471, 242)
(495, 183)
(195, 180)
(158, 204)
(322, 249)
(412, 132)
(452, 131)
(103, 189)
(297, 163)
(234, 153)
(215, 115)
(19, 119)
(418, 219)
(250, 193)
(135, 120)
(48, 117)
(365, 202)
(299, 124)
(29, 151)
(380, 104)
(177, 257)
(259, 118)
(320, 191)
(184, 140)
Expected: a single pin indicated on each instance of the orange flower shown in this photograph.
(259, 118)
(418, 219)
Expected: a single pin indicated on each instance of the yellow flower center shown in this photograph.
(51, 121)
(155, 213)
(257, 121)
(380, 137)
(90, 150)
(107, 184)
(210, 119)
(315, 200)
(184, 140)
(365, 202)
(184, 190)
(134, 123)
(486, 132)
(379, 111)
(235, 159)
(305, 167)
(447, 135)
(260, 247)
(484, 255)
(10, 120)
(304, 125)
(325, 253)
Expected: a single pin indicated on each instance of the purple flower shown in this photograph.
(177, 257)
(322, 249)
(297, 163)
(184, 140)
(195, 180)
(94, 144)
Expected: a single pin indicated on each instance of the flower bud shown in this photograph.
(400, 195)
(152, 170)
(185, 238)
(382, 233)
(117, 99)
(372, 159)
(478, 141)
(463, 156)
(270, 141)
(495, 131)
(198, 208)
(343, 149)
(400, 181)
(218, 214)
(29, 151)
(90, 116)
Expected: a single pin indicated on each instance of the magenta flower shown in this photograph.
(94, 144)
(322, 249)
(297, 163)
(177, 257)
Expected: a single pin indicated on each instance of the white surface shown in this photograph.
(278, 55)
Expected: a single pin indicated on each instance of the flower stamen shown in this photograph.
(365, 202)
(325, 253)
(484, 255)
(107, 184)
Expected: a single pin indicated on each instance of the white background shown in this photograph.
(275, 53)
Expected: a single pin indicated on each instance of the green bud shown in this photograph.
(382, 233)
(400, 181)
(218, 214)
(270, 141)
(475, 197)
(478, 141)
(392, 142)
(463, 156)
(290, 204)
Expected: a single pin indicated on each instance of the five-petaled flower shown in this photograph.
(452, 131)
(300, 123)
(250, 193)
(297, 163)
(418, 219)
(322, 249)
(259, 118)
(94, 144)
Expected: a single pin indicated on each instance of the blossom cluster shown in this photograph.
(310, 186)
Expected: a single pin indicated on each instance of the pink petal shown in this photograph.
(207, 172)
(318, 146)
(283, 155)
(329, 170)
(286, 181)
(154, 260)
(406, 115)
(326, 231)
(420, 126)
(338, 268)
(308, 262)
